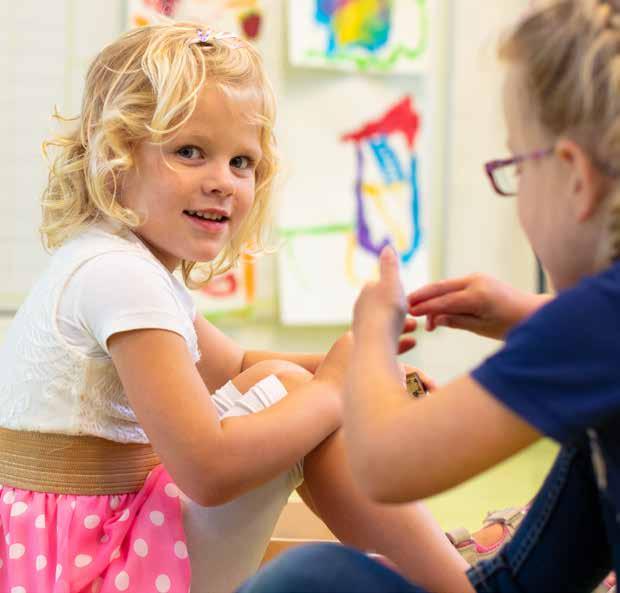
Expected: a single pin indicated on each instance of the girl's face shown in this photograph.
(194, 191)
(553, 191)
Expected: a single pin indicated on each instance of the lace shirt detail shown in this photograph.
(48, 385)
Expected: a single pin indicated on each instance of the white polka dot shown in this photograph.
(162, 583)
(9, 497)
(58, 571)
(114, 502)
(141, 548)
(7, 538)
(116, 554)
(124, 515)
(19, 508)
(105, 538)
(16, 551)
(92, 521)
(96, 588)
(122, 581)
(39, 522)
(18, 589)
(180, 549)
(157, 518)
(171, 490)
(82, 560)
(41, 562)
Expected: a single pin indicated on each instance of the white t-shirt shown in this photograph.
(56, 374)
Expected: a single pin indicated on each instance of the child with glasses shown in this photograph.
(558, 372)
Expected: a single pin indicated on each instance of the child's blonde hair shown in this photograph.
(570, 52)
(144, 86)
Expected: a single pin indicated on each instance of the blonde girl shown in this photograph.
(140, 448)
(558, 372)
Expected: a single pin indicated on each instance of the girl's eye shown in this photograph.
(189, 152)
(241, 162)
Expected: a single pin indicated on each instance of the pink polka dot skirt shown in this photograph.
(55, 543)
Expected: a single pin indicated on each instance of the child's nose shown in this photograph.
(218, 180)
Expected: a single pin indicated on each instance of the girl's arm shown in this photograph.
(213, 461)
(477, 303)
(223, 359)
(402, 449)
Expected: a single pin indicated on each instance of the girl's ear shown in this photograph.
(586, 182)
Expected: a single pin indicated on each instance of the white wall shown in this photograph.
(44, 50)
(45, 46)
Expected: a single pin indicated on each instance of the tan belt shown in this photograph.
(66, 464)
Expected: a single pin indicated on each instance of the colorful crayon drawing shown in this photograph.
(354, 23)
(394, 182)
(330, 263)
(232, 292)
(244, 17)
(374, 35)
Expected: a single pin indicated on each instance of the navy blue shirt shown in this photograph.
(560, 372)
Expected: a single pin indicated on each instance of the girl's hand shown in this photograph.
(335, 365)
(477, 303)
(382, 307)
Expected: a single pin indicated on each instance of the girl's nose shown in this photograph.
(218, 180)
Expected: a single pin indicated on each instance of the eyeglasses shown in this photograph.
(504, 174)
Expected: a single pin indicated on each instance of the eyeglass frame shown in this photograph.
(491, 166)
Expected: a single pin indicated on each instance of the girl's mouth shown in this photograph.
(207, 221)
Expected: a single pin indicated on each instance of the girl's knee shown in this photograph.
(291, 375)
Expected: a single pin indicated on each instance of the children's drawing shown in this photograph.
(375, 35)
(232, 292)
(387, 182)
(324, 266)
(244, 17)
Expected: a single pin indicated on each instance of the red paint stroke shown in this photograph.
(165, 7)
(221, 286)
(401, 118)
(250, 23)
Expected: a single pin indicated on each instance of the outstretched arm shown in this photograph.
(402, 449)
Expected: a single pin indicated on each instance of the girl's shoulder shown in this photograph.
(102, 237)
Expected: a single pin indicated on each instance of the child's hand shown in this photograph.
(381, 305)
(477, 303)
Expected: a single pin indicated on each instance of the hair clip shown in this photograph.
(205, 37)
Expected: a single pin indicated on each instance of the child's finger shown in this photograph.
(388, 266)
(466, 322)
(406, 343)
(436, 289)
(429, 382)
(451, 303)
(410, 324)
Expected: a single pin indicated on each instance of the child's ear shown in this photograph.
(586, 181)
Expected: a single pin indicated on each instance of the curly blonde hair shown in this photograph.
(570, 52)
(144, 86)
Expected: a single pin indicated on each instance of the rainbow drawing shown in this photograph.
(369, 35)
(324, 265)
